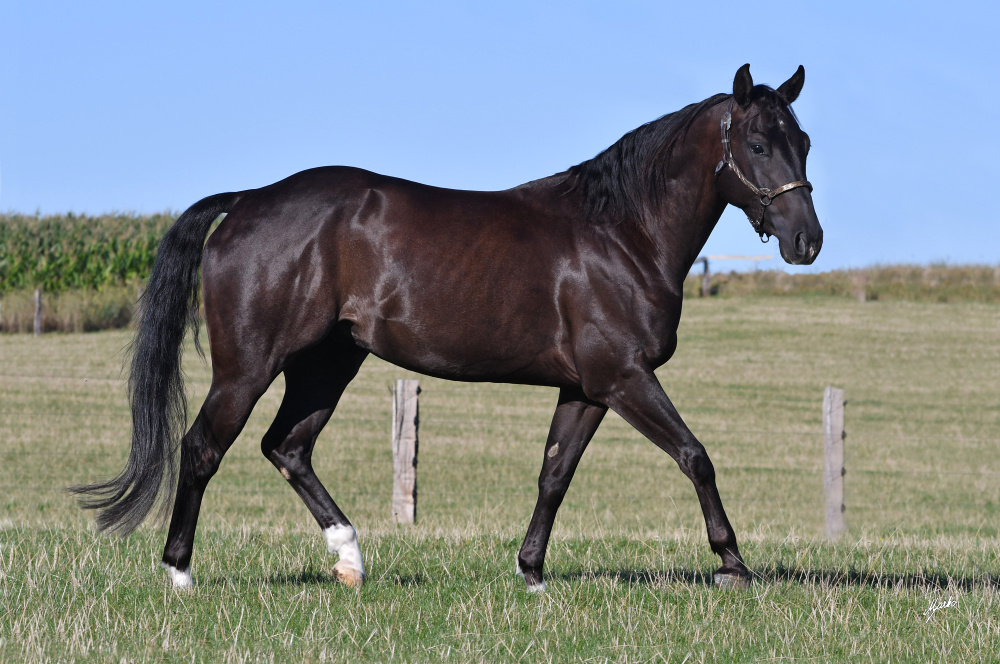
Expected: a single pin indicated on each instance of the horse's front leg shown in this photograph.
(573, 425)
(636, 395)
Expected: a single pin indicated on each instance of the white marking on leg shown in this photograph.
(532, 587)
(553, 451)
(343, 540)
(181, 578)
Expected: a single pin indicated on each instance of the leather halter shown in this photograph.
(764, 195)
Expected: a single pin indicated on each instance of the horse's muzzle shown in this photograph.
(803, 250)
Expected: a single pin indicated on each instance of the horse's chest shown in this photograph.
(657, 333)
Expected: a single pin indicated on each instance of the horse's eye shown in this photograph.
(757, 148)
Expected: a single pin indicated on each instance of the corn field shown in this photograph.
(67, 252)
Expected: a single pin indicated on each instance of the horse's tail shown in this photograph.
(155, 383)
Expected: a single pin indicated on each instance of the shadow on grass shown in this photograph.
(773, 575)
(309, 577)
(312, 577)
(862, 578)
(643, 577)
(781, 574)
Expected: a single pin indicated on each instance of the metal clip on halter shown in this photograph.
(764, 195)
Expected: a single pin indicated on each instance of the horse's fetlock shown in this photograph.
(722, 540)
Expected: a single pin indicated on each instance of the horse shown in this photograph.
(573, 281)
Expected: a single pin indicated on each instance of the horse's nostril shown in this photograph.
(800, 244)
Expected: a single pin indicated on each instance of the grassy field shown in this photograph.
(629, 562)
(915, 283)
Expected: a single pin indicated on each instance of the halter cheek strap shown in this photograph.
(764, 195)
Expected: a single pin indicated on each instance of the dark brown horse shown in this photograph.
(573, 281)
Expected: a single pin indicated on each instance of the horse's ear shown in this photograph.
(742, 85)
(790, 89)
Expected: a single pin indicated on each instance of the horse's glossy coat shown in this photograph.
(573, 281)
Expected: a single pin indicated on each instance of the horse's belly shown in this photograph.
(467, 347)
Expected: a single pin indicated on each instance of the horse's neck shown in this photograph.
(690, 206)
(682, 230)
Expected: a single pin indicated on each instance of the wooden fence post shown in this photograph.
(404, 451)
(38, 311)
(833, 460)
(706, 278)
(860, 280)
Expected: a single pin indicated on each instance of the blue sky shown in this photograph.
(126, 106)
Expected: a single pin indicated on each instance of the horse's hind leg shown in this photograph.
(573, 425)
(219, 422)
(314, 382)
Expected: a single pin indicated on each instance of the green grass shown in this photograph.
(628, 564)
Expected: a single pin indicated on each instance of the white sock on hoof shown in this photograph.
(343, 540)
(532, 587)
(181, 578)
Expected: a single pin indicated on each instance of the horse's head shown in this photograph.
(763, 170)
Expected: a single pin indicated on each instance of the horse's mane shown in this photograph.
(622, 184)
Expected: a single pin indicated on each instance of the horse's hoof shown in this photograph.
(350, 577)
(730, 580)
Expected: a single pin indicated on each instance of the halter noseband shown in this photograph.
(764, 195)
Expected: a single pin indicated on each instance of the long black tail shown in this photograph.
(155, 383)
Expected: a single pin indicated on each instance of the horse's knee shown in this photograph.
(552, 490)
(698, 466)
